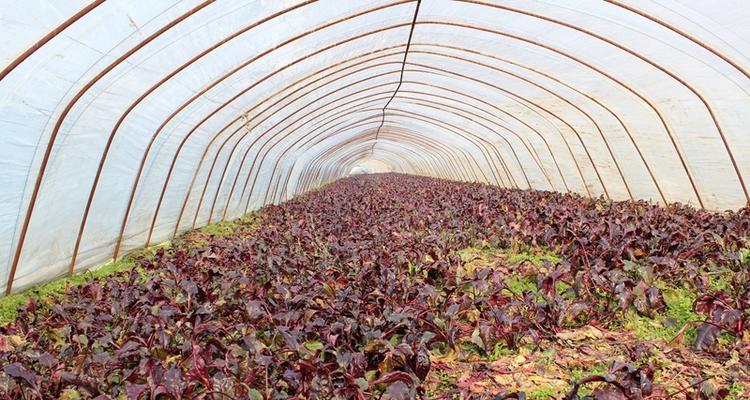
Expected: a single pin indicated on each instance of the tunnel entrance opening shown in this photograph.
(371, 166)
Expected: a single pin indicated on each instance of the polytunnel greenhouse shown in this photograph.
(396, 199)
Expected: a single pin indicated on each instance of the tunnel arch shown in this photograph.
(124, 124)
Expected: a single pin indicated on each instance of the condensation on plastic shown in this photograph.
(215, 108)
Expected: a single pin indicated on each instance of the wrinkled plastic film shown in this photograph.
(145, 120)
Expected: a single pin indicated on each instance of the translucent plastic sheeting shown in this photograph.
(124, 123)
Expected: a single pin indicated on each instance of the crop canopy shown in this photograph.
(123, 123)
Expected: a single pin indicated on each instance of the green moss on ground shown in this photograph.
(544, 393)
(596, 369)
(557, 391)
(534, 255)
(667, 326)
(736, 391)
(220, 229)
(721, 280)
(9, 307)
(445, 382)
(500, 351)
(520, 284)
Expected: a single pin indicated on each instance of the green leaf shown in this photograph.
(254, 394)
(82, 339)
(370, 375)
(70, 394)
(314, 345)
(362, 383)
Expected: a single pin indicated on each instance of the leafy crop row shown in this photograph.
(352, 291)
